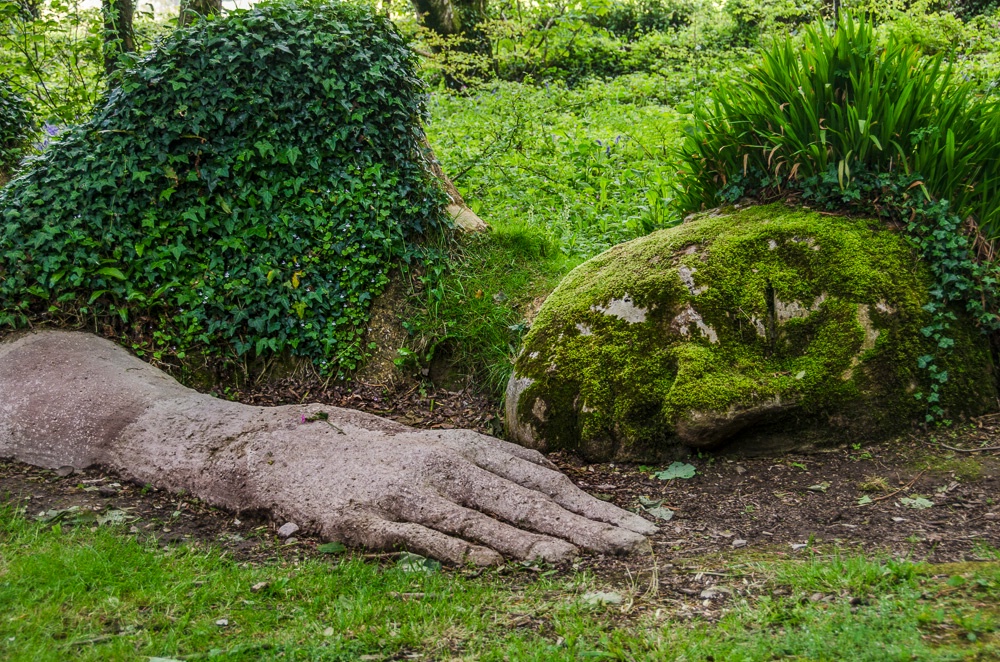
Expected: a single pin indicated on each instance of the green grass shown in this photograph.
(98, 594)
(473, 313)
(560, 175)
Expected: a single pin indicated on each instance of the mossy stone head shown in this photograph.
(763, 329)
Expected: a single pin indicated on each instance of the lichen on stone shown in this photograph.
(768, 327)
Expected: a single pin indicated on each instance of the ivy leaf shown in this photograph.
(112, 272)
(917, 502)
(332, 548)
(676, 470)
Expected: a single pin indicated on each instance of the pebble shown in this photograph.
(107, 491)
(602, 598)
(288, 529)
(739, 543)
(64, 471)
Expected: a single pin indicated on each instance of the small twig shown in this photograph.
(902, 489)
(334, 427)
(92, 640)
(967, 450)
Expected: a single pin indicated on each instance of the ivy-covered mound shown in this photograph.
(15, 129)
(764, 329)
(245, 188)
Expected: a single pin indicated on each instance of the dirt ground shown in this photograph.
(912, 497)
(854, 498)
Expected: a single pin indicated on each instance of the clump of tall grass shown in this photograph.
(844, 109)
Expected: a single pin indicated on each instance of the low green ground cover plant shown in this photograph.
(244, 190)
(561, 174)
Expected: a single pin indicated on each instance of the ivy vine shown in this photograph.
(15, 129)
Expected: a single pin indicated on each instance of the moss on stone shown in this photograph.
(766, 326)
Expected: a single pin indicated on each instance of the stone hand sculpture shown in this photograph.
(75, 399)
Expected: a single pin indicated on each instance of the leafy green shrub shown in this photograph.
(753, 19)
(245, 189)
(850, 124)
(843, 106)
(15, 129)
(638, 17)
(53, 53)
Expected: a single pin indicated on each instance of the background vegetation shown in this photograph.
(564, 126)
(569, 127)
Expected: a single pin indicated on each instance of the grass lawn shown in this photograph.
(99, 593)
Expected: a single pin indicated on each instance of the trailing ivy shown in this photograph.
(243, 190)
(849, 124)
(939, 236)
(15, 129)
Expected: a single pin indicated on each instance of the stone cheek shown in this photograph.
(681, 324)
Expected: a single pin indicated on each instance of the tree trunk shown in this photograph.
(462, 217)
(193, 8)
(453, 18)
(118, 34)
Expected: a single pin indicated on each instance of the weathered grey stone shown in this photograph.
(73, 399)
(287, 529)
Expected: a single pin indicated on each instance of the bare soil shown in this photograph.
(734, 511)
(781, 505)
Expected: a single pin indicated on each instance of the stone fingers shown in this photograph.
(498, 460)
(529, 509)
(452, 519)
(374, 532)
(473, 445)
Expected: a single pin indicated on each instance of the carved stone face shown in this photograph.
(767, 328)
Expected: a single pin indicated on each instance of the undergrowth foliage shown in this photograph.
(849, 124)
(15, 129)
(244, 189)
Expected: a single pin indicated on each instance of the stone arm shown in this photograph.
(75, 399)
